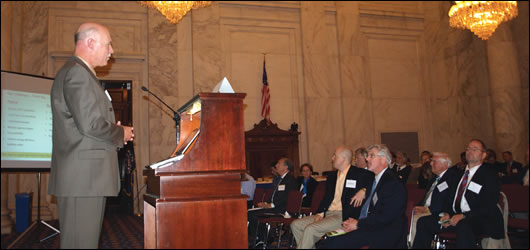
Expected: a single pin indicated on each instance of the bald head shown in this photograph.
(93, 44)
(342, 157)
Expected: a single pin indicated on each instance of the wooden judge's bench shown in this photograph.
(195, 200)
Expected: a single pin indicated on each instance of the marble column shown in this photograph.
(505, 89)
(322, 84)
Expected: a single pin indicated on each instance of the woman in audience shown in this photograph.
(306, 184)
(425, 175)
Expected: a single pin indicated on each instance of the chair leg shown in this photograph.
(266, 236)
(280, 235)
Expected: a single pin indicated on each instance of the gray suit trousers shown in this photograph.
(80, 221)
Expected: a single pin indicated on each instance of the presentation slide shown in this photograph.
(26, 121)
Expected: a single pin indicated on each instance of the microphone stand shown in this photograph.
(176, 116)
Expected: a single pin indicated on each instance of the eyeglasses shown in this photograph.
(474, 149)
(372, 155)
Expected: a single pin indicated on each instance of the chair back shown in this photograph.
(517, 196)
(268, 194)
(318, 196)
(294, 202)
(258, 195)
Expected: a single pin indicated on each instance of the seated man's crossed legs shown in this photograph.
(307, 232)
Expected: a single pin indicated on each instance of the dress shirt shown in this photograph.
(248, 187)
(88, 65)
(464, 206)
(336, 204)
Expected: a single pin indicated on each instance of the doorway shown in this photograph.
(120, 92)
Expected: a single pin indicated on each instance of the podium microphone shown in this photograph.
(176, 115)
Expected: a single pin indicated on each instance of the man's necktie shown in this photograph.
(431, 190)
(366, 206)
(461, 189)
(508, 168)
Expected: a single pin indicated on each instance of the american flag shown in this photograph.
(265, 96)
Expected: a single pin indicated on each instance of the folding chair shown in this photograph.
(318, 196)
(294, 203)
(517, 196)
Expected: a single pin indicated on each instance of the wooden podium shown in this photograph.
(196, 202)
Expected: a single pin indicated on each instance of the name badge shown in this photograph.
(351, 183)
(442, 186)
(374, 199)
(106, 92)
(281, 187)
(474, 187)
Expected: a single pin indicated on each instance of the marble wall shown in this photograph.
(344, 71)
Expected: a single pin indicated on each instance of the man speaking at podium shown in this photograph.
(84, 166)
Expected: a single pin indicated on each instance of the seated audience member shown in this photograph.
(248, 187)
(343, 198)
(306, 184)
(360, 158)
(382, 223)
(473, 208)
(462, 163)
(425, 176)
(403, 169)
(277, 202)
(491, 160)
(511, 171)
(438, 190)
(393, 166)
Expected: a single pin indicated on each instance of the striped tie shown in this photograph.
(461, 189)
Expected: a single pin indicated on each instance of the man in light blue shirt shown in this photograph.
(248, 187)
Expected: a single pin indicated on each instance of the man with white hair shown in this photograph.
(438, 190)
(382, 223)
(86, 137)
(472, 208)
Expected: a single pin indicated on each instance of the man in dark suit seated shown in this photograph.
(382, 223)
(345, 193)
(511, 171)
(278, 201)
(403, 169)
(473, 208)
(438, 190)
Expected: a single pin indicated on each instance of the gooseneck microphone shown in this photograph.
(176, 115)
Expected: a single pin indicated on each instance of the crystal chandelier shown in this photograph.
(175, 10)
(481, 17)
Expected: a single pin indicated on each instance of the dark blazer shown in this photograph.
(311, 186)
(281, 193)
(439, 199)
(363, 179)
(404, 173)
(484, 211)
(386, 223)
(85, 135)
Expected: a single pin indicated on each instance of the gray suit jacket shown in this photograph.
(85, 135)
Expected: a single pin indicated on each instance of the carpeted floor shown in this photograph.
(119, 232)
(124, 231)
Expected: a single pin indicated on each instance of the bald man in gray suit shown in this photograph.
(86, 138)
